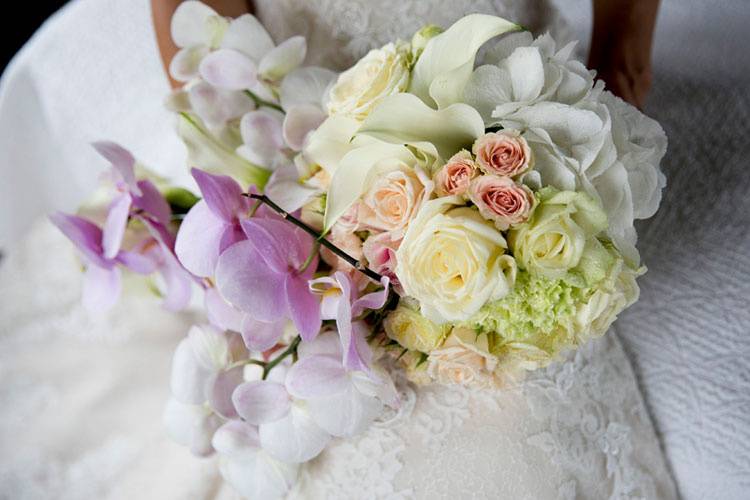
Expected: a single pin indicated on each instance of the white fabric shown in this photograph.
(80, 418)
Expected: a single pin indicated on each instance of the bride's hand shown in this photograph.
(161, 12)
(621, 46)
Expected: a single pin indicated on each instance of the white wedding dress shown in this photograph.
(81, 397)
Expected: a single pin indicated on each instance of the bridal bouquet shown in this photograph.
(461, 223)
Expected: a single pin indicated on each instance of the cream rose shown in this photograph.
(464, 359)
(393, 198)
(503, 153)
(413, 331)
(455, 176)
(552, 242)
(453, 261)
(501, 200)
(380, 73)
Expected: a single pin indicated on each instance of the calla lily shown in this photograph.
(445, 66)
(264, 275)
(340, 302)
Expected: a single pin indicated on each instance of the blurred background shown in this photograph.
(689, 337)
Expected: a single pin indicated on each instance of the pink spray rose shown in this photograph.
(503, 153)
(380, 252)
(456, 175)
(501, 200)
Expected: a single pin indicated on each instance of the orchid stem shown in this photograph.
(292, 349)
(260, 102)
(311, 257)
(312, 232)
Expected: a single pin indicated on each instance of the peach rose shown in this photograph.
(464, 359)
(501, 200)
(393, 199)
(503, 153)
(456, 175)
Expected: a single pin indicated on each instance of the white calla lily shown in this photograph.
(445, 66)
(331, 142)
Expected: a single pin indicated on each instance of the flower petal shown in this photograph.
(153, 202)
(345, 414)
(189, 380)
(325, 344)
(220, 393)
(85, 235)
(245, 34)
(137, 262)
(273, 241)
(220, 313)
(306, 86)
(185, 63)
(228, 69)
(101, 288)
(299, 122)
(260, 335)
(222, 194)
(304, 307)
(261, 132)
(199, 240)
(295, 438)
(190, 22)
(374, 300)
(284, 58)
(286, 190)
(114, 226)
(122, 161)
(237, 440)
(261, 401)
(217, 106)
(191, 425)
(316, 376)
(260, 477)
(244, 279)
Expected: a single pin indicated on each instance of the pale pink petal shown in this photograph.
(247, 35)
(220, 393)
(308, 85)
(191, 425)
(296, 438)
(285, 189)
(185, 63)
(199, 240)
(237, 440)
(216, 106)
(101, 288)
(325, 344)
(260, 335)
(261, 401)
(374, 300)
(261, 476)
(220, 313)
(246, 282)
(114, 226)
(222, 194)
(122, 161)
(299, 122)
(189, 24)
(304, 307)
(261, 132)
(273, 240)
(179, 284)
(229, 69)
(316, 376)
(137, 262)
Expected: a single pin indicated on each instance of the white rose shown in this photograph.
(453, 261)
(380, 73)
(597, 315)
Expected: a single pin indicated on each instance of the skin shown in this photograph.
(620, 44)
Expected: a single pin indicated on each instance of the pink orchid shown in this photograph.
(213, 224)
(340, 302)
(266, 277)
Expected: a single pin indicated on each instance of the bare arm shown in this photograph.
(161, 13)
(621, 46)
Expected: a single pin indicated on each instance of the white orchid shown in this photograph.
(203, 378)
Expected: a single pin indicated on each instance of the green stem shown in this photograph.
(311, 257)
(292, 349)
(260, 102)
